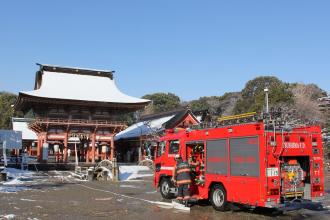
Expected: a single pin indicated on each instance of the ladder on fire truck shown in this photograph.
(245, 117)
(237, 119)
(229, 120)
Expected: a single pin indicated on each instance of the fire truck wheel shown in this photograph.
(165, 185)
(218, 197)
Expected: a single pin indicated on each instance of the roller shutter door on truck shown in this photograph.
(244, 156)
(244, 184)
(217, 157)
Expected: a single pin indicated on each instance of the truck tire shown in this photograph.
(218, 197)
(165, 185)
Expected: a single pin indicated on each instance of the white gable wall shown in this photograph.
(27, 134)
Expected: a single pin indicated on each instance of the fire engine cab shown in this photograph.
(257, 164)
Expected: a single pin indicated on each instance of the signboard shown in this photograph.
(104, 138)
(13, 139)
(56, 136)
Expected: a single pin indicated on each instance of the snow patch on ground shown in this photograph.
(12, 189)
(16, 180)
(12, 172)
(19, 180)
(129, 186)
(66, 176)
(10, 216)
(28, 200)
(127, 173)
(103, 199)
(13, 182)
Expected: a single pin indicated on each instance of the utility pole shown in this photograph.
(267, 101)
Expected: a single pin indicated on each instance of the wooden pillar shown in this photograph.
(97, 150)
(87, 155)
(65, 151)
(41, 141)
(87, 152)
(39, 146)
(112, 148)
(93, 148)
(30, 149)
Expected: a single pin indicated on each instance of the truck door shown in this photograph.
(160, 155)
(165, 156)
(244, 169)
(173, 149)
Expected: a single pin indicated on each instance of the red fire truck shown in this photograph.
(254, 164)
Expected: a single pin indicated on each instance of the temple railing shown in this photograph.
(76, 122)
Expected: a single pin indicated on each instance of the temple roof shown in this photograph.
(179, 118)
(143, 128)
(157, 122)
(75, 84)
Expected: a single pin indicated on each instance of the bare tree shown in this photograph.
(305, 103)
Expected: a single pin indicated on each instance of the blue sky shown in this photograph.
(191, 48)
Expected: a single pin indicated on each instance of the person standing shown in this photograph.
(182, 178)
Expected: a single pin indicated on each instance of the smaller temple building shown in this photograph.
(76, 112)
(137, 142)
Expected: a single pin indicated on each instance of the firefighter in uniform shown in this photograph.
(182, 178)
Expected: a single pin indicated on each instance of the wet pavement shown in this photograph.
(63, 198)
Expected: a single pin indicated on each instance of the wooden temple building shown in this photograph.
(76, 111)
